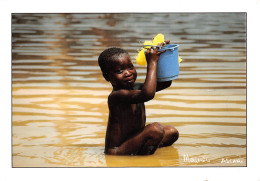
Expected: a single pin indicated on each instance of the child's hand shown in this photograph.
(152, 54)
(164, 43)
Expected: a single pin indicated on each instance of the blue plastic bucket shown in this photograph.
(168, 63)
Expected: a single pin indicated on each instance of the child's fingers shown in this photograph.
(157, 48)
(154, 50)
(164, 43)
(167, 41)
(159, 52)
(148, 51)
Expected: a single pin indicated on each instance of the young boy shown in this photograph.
(126, 131)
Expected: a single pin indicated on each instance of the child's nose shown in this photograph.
(127, 73)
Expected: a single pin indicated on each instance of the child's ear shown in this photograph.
(106, 76)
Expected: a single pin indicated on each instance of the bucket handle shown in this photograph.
(172, 48)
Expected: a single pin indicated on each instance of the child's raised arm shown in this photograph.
(149, 87)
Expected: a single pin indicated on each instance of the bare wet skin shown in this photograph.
(59, 97)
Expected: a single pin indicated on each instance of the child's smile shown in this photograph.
(123, 73)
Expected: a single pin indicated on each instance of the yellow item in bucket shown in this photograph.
(140, 58)
(158, 39)
(148, 43)
(180, 59)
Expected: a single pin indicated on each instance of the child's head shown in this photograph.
(117, 67)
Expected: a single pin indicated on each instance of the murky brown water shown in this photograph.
(59, 110)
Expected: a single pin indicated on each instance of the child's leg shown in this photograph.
(144, 143)
(171, 135)
(154, 141)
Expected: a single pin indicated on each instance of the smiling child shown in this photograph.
(126, 132)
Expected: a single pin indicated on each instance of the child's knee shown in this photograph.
(172, 131)
(156, 130)
(175, 130)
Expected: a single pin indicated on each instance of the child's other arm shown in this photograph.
(163, 85)
(149, 87)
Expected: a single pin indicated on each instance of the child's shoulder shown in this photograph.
(119, 95)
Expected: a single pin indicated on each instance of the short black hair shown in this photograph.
(108, 56)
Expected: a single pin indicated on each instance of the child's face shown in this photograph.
(122, 73)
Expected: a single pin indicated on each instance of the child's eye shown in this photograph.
(119, 71)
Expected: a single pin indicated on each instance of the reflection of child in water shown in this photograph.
(126, 131)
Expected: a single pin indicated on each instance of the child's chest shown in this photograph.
(132, 114)
(137, 109)
(129, 118)
(136, 114)
(128, 113)
(134, 118)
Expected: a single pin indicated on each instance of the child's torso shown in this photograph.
(125, 120)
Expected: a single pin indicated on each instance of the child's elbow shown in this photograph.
(149, 97)
(168, 84)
